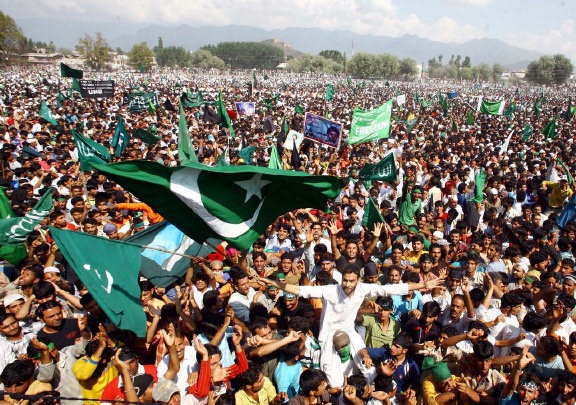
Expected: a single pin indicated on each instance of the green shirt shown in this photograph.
(408, 210)
(375, 336)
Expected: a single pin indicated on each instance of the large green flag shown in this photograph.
(90, 152)
(14, 231)
(46, 113)
(120, 138)
(490, 107)
(145, 136)
(385, 170)
(550, 129)
(329, 95)
(470, 118)
(112, 283)
(566, 171)
(190, 99)
(13, 254)
(275, 162)
(232, 203)
(67, 71)
(370, 125)
(140, 101)
(479, 182)
(223, 114)
(159, 266)
(372, 214)
(186, 152)
(526, 132)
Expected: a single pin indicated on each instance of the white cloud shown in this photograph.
(560, 39)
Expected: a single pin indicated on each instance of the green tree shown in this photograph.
(96, 52)
(141, 57)
(12, 41)
(389, 66)
(466, 62)
(466, 73)
(408, 68)
(247, 55)
(549, 70)
(364, 65)
(172, 56)
(482, 71)
(335, 55)
(318, 64)
(203, 59)
(563, 69)
(497, 71)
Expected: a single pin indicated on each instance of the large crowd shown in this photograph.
(462, 295)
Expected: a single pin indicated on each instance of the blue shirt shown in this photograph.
(288, 378)
(402, 306)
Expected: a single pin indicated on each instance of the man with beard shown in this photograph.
(57, 329)
(13, 340)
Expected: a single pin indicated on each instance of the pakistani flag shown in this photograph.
(526, 132)
(411, 123)
(46, 113)
(224, 158)
(479, 182)
(372, 214)
(567, 115)
(370, 125)
(112, 283)
(75, 85)
(329, 94)
(15, 230)
(67, 71)
(186, 152)
(232, 203)
(13, 254)
(223, 114)
(163, 268)
(550, 129)
(120, 138)
(490, 107)
(90, 152)
(275, 162)
(145, 136)
(385, 170)
(443, 103)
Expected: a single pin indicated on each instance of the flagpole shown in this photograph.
(194, 258)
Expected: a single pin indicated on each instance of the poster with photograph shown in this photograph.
(291, 137)
(246, 108)
(322, 130)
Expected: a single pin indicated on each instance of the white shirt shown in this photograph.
(187, 366)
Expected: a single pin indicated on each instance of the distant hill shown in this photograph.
(308, 40)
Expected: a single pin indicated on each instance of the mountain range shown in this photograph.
(308, 40)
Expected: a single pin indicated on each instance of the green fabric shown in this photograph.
(254, 79)
(299, 110)
(510, 110)
(491, 107)
(222, 161)
(60, 98)
(192, 99)
(385, 170)
(408, 210)
(13, 254)
(537, 107)
(479, 182)
(112, 283)
(67, 71)
(344, 354)
(275, 162)
(443, 103)
(329, 94)
(223, 114)
(46, 113)
(526, 132)
(440, 372)
(186, 152)
(75, 85)
(145, 136)
(410, 124)
(372, 215)
(140, 101)
(470, 118)
(192, 197)
(120, 138)
(90, 152)
(15, 230)
(550, 129)
(370, 125)
(151, 108)
(566, 171)
(247, 153)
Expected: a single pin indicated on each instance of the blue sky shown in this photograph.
(547, 26)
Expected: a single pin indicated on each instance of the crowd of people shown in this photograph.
(465, 293)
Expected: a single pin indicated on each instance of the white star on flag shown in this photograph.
(253, 186)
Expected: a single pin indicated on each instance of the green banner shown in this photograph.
(371, 125)
(141, 101)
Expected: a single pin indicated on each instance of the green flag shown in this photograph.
(76, 85)
(269, 104)
(526, 132)
(151, 108)
(370, 125)
(275, 162)
(443, 103)
(145, 136)
(46, 113)
(140, 101)
(349, 81)
(510, 110)
(372, 214)
(90, 152)
(329, 94)
(112, 283)
(192, 197)
(550, 129)
(190, 99)
(14, 231)
(479, 182)
(410, 124)
(13, 254)
(566, 171)
(223, 159)
(490, 107)
(60, 98)
(120, 138)
(454, 126)
(67, 71)
(186, 152)
(537, 107)
(254, 80)
(470, 118)
(223, 114)
(567, 115)
(385, 170)
(163, 268)
(247, 153)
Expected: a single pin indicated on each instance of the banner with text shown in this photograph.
(97, 88)
(141, 101)
(371, 125)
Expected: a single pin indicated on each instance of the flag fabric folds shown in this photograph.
(470, 118)
(67, 71)
(186, 152)
(329, 94)
(15, 230)
(490, 107)
(274, 162)
(46, 113)
(247, 153)
(385, 170)
(90, 152)
(120, 138)
(566, 171)
(479, 183)
(526, 132)
(145, 136)
(370, 125)
(223, 114)
(372, 214)
(550, 129)
(190, 99)
(112, 283)
(232, 203)
(13, 254)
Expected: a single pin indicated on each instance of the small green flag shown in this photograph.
(298, 109)
(537, 108)
(470, 118)
(329, 94)
(247, 153)
(550, 129)
(349, 81)
(60, 98)
(90, 152)
(454, 126)
(151, 108)
(14, 231)
(186, 152)
(145, 136)
(479, 182)
(274, 162)
(372, 214)
(269, 104)
(510, 110)
(566, 171)
(67, 71)
(13, 254)
(223, 159)
(46, 113)
(526, 132)
(223, 114)
(410, 124)
(568, 113)
(385, 170)
(443, 103)
(254, 80)
(120, 138)
(112, 283)
(76, 86)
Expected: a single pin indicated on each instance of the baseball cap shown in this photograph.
(110, 229)
(141, 383)
(51, 269)
(164, 390)
(10, 299)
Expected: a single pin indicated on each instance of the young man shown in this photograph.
(313, 384)
(256, 388)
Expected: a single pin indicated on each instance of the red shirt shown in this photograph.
(113, 392)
